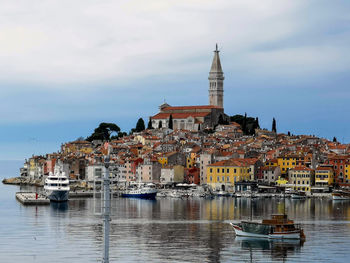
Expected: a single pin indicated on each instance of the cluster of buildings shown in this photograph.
(197, 148)
(223, 160)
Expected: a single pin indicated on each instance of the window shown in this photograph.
(218, 179)
(228, 178)
(211, 170)
(234, 170)
(211, 178)
(223, 178)
(227, 170)
(218, 170)
(223, 170)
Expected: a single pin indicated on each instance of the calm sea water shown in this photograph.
(166, 230)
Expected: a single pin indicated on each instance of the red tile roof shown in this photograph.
(180, 115)
(191, 107)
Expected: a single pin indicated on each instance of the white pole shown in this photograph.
(106, 211)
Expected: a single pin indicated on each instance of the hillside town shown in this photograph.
(223, 160)
(201, 145)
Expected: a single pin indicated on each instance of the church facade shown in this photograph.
(196, 118)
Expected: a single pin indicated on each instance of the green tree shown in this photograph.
(248, 124)
(288, 133)
(140, 125)
(274, 125)
(170, 122)
(149, 125)
(257, 125)
(103, 131)
(335, 139)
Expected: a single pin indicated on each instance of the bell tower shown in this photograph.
(216, 81)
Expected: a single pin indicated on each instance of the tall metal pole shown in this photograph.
(106, 212)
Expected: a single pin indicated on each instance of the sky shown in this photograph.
(66, 66)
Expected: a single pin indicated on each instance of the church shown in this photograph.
(195, 118)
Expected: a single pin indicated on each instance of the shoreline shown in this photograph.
(77, 189)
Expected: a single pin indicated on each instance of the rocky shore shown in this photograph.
(40, 183)
(22, 181)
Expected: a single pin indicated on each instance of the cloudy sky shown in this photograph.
(66, 66)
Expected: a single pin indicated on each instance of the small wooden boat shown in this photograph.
(279, 227)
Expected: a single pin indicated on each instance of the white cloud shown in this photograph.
(67, 42)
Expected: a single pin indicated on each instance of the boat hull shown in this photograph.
(340, 197)
(278, 235)
(58, 196)
(140, 195)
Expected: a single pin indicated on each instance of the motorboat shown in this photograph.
(147, 191)
(278, 227)
(341, 195)
(298, 195)
(56, 186)
(221, 193)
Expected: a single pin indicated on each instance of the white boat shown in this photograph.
(57, 186)
(341, 195)
(279, 227)
(298, 195)
(176, 194)
(221, 193)
(147, 191)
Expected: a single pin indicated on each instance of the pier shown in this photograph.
(27, 198)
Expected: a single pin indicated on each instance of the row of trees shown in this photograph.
(110, 131)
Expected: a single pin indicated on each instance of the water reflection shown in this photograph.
(59, 206)
(277, 249)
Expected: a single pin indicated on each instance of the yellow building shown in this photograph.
(191, 160)
(301, 178)
(324, 176)
(163, 160)
(271, 163)
(286, 163)
(223, 175)
(347, 172)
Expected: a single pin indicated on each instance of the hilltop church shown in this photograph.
(196, 118)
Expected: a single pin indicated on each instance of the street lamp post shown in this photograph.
(106, 211)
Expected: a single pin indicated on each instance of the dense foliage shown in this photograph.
(104, 131)
(248, 124)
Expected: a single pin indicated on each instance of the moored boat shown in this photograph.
(57, 186)
(142, 191)
(298, 195)
(341, 195)
(279, 227)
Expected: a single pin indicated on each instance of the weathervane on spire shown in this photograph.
(216, 48)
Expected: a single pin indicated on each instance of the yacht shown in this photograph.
(57, 186)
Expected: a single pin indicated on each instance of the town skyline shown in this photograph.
(58, 82)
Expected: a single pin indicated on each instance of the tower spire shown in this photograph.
(216, 81)
(216, 64)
